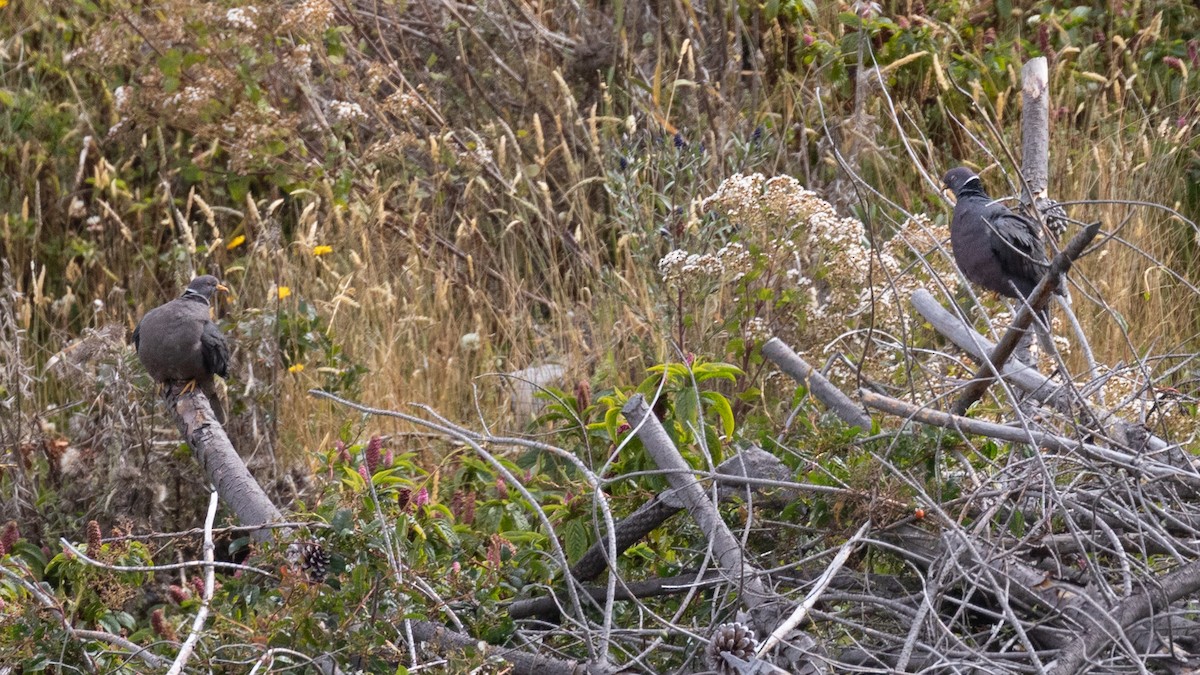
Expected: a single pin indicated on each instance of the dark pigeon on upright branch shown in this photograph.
(995, 247)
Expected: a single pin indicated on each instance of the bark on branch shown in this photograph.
(1035, 130)
(726, 548)
(777, 352)
(1063, 398)
(194, 417)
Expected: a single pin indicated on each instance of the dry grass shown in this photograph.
(496, 188)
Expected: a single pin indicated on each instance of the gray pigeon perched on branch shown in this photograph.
(993, 246)
(178, 342)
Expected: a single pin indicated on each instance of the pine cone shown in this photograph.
(1054, 215)
(309, 558)
(734, 638)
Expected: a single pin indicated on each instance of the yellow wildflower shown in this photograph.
(284, 291)
(233, 243)
(322, 249)
(296, 368)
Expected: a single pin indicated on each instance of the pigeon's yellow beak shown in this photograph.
(223, 288)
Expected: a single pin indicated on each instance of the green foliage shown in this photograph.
(235, 141)
(305, 340)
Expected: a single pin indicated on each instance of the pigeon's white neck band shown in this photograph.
(970, 180)
(189, 293)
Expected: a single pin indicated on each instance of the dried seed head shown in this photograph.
(373, 454)
(162, 627)
(9, 538)
(93, 538)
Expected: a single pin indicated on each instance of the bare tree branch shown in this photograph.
(777, 352)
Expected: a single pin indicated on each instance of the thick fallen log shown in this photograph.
(1097, 632)
(727, 550)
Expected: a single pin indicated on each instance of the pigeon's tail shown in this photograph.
(1041, 326)
(209, 387)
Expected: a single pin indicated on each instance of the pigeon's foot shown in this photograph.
(188, 388)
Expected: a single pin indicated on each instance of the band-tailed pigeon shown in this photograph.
(178, 342)
(993, 246)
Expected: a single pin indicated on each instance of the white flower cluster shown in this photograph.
(345, 111)
(188, 97)
(299, 61)
(309, 15)
(390, 147)
(826, 259)
(754, 201)
(244, 18)
(479, 155)
(121, 99)
(678, 265)
(401, 104)
(757, 329)
(735, 259)
(730, 262)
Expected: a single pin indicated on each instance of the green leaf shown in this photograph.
(720, 404)
(611, 423)
(574, 539)
(1016, 523)
(238, 188)
(170, 63)
(687, 407)
(31, 554)
(352, 480)
(444, 531)
(717, 370)
(524, 537)
(343, 521)
(770, 10)
(640, 551)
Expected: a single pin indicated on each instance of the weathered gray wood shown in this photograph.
(726, 549)
(1029, 380)
(1035, 130)
(194, 417)
(1139, 463)
(777, 352)
(1038, 387)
